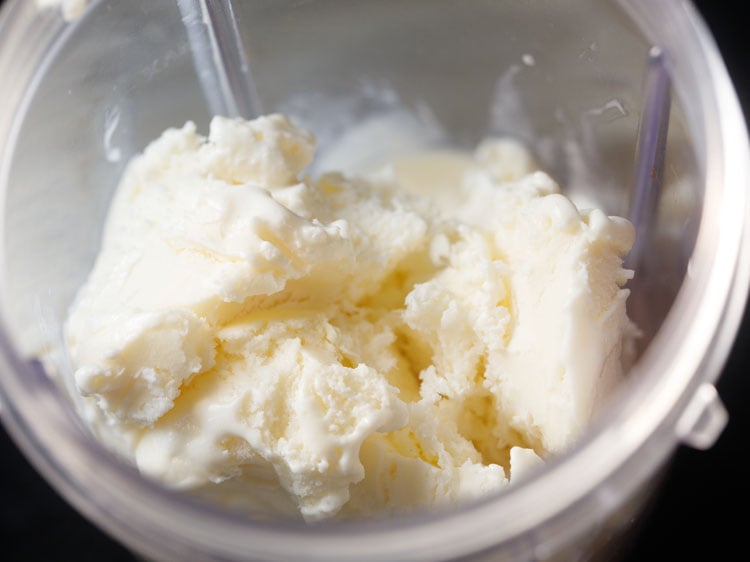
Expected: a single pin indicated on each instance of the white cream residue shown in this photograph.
(71, 9)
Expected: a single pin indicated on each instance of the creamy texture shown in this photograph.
(340, 345)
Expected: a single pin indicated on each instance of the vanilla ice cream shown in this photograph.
(344, 346)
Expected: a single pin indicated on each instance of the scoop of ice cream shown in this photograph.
(342, 345)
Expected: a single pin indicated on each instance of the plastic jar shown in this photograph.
(79, 98)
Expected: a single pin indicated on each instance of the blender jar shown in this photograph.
(571, 81)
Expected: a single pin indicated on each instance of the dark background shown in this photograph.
(690, 519)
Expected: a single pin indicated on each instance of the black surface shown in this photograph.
(690, 519)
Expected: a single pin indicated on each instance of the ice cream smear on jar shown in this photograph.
(343, 346)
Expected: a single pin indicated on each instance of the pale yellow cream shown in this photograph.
(344, 346)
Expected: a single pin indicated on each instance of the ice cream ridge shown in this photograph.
(344, 346)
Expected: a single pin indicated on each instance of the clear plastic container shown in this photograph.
(80, 98)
